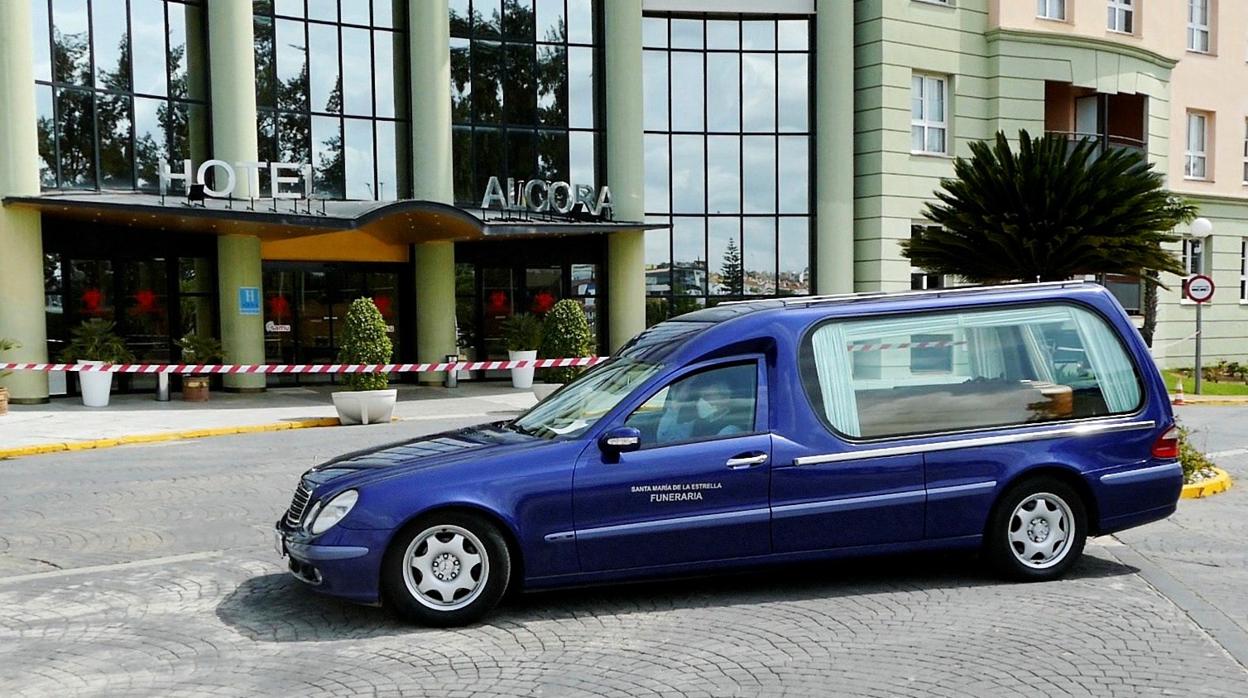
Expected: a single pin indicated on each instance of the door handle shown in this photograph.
(746, 460)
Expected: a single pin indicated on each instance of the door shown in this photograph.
(1088, 116)
(696, 490)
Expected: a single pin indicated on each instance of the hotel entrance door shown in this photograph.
(496, 280)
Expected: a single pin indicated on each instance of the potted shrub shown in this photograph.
(565, 335)
(523, 334)
(5, 345)
(94, 343)
(198, 349)
(364, 341)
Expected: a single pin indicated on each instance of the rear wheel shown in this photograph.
(1037, 530)
(446, 569)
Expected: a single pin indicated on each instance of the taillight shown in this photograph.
(1167, 445)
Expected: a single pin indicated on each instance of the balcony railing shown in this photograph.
(1105, 142)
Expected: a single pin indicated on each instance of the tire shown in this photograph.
(446, 569)
(1037, 530)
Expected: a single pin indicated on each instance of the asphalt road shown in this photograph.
(149, 570)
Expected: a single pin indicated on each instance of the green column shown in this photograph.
(232, 56)
(22, 315)
(429, 35)
(834, 137)
(626, 251)
(238, 267)
(231, 43)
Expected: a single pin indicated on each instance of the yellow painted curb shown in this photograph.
(37, 449)
(1218, 483)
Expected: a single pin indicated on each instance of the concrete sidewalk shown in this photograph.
(66, 421)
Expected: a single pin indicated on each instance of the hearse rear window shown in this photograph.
(895, 376)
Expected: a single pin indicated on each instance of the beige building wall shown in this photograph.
(1215, 83)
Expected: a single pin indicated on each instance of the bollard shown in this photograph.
(451, 380)
(162, 387)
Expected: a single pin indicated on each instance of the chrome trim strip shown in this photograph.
(954, 490)
(1123, 477)
(676, 523)
(846, 503)
(1074, 430)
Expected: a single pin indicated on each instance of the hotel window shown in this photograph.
(331, 90)
(1198, 26)
(1243, 270)
(1194, 255)
(921, 280)
(929, 114)
(1122, 16)
(524, 92)
(107, 114)
(728, 139)
(1246, 151)
(1197, 166)
(1051, 9)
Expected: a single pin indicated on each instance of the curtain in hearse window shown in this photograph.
(894, 376)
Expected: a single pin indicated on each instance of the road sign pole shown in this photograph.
(1198, 289)
(1198, 338)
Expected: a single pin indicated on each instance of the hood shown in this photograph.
(424, 451)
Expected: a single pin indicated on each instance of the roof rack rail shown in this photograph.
(935, 292)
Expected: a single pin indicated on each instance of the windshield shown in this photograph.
(575, 408)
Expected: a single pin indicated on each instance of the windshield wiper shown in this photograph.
(514, 425)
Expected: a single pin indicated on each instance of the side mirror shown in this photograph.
(620, 440)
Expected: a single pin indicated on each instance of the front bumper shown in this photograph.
(342, 562)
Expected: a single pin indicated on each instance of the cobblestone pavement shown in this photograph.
(149, 571)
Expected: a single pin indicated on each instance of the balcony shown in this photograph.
(1113, 121)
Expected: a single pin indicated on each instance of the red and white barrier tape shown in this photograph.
(306, 368)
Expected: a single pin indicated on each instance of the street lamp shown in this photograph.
(1202, 227)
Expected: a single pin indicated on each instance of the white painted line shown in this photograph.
(1224, 454)
(94, 569)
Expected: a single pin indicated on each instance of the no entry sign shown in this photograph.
(1199, 288)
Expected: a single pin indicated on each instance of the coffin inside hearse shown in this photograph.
(971, 404)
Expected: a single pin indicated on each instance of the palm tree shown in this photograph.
(1051, 211)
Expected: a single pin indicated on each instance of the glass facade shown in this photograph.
(728, 159)
(523, 92)
(118, 85)
(331, 90)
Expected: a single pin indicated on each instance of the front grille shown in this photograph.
(297, 504)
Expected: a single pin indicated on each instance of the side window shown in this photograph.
(705, 405)
(955, 371)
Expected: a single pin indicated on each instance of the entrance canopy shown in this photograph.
(396, 222)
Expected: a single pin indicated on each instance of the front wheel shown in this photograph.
(1037, 531)
(446, 569)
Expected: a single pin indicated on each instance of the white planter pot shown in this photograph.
(522, 377)
(365, 406)
(544, 390)
(96, 385)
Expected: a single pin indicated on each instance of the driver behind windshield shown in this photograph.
(698, 407)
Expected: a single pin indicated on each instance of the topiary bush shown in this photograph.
(364, 341)
(565, 334)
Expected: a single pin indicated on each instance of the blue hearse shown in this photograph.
(1014, 419)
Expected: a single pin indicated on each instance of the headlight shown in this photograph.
(325, 517)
